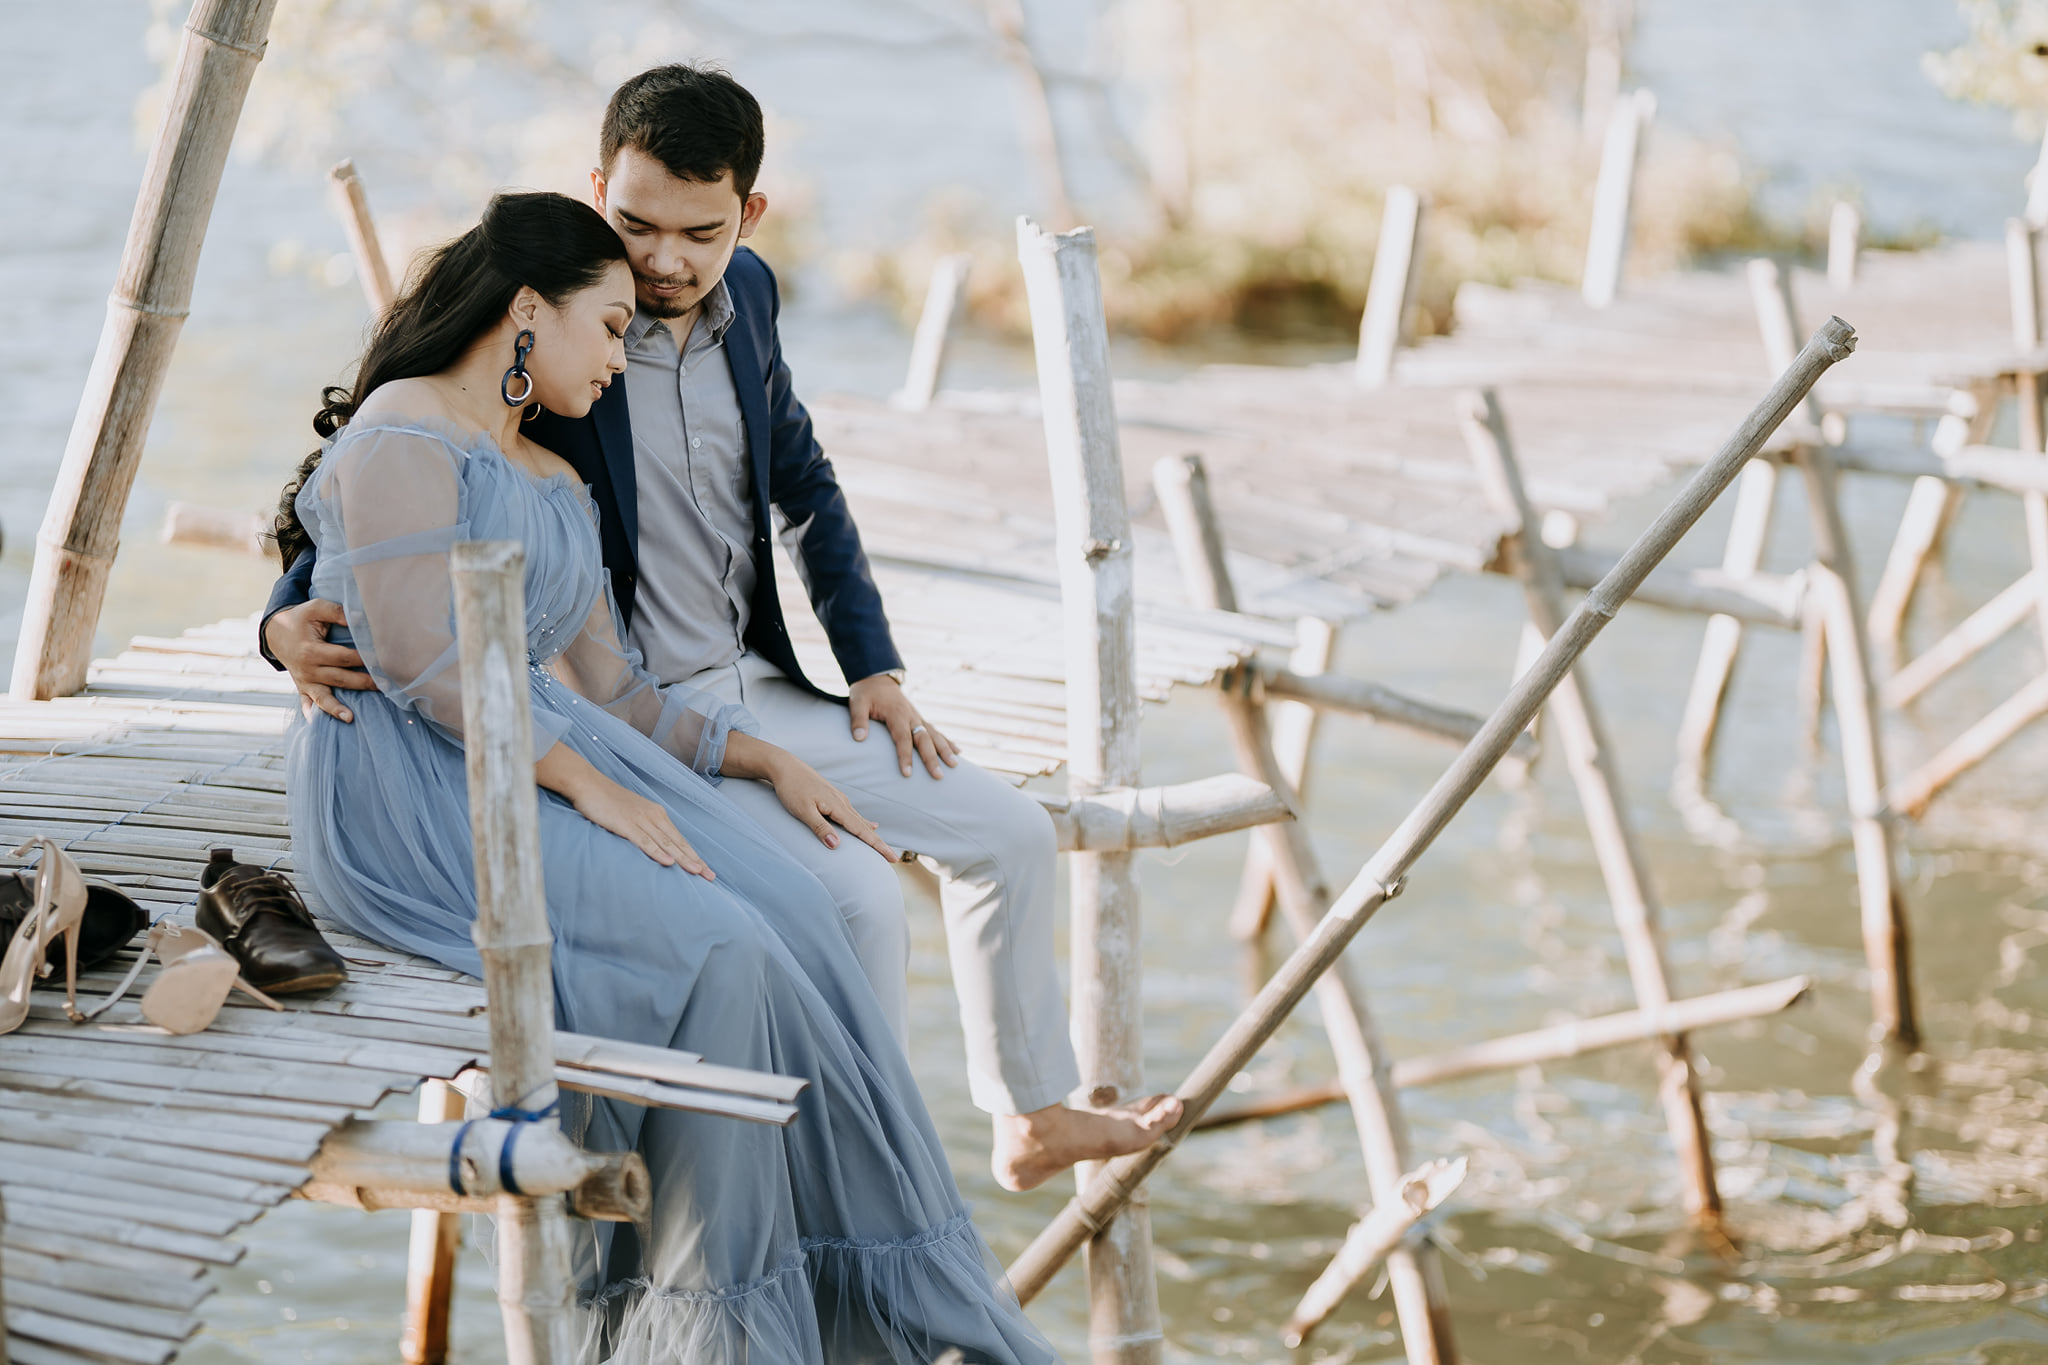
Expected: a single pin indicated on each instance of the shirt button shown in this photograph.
(682, 369)
(696, 441)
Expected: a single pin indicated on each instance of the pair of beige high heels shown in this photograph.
(197, 977)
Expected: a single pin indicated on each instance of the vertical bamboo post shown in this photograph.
(1832, 578)
(1933, 503)
(1071, 339)
(1590, 757)
(1396, 265)
(430, 1257)
(2023, 268)
(81, 531)
(1845, 243)
(1748, 533)
(1304, 895)
(1614, 197)
(535, 1293)
(928, 346)
(354, 207)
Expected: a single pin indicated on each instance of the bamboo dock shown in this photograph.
(1050, 562)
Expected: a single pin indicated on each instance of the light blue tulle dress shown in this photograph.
(839, 1238)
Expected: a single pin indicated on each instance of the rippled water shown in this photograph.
(1884, 1213)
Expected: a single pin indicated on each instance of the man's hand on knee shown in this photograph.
(881, 698)
(297, 636)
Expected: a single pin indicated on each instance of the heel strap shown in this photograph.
(141, 961)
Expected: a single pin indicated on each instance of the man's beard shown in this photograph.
(657, 307)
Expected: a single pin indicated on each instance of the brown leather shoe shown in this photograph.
(259, 918)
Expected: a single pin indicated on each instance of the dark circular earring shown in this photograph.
(520, 347)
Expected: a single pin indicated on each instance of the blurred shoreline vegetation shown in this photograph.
(1270, 130)
(1234, 154)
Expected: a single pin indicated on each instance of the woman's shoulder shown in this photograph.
(410, 411)
(544, 462)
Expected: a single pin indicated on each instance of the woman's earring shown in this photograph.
(520, 347)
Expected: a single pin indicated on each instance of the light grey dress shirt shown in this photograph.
(694, 492)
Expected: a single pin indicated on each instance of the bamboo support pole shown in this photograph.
(1396, 266)
(1125, 818)
(430, 1255)
(1556, 1043)
(1383, 873)
(1357, 697)
(1614, 197)
(1845, 243)
(401, 1156)
(1909, 796)
(1590, 757)
(2027, 596)
(1757, 598)
(1934, 501)
(81, 532)
(353, 205)
(1880, 897)
(1977, 632)
(1303, 894)
(1748, 532)
(535, 1291)
(1930, 508)
(934, 325)
(1205, 572)
(1371, 1240)
(1071, 339)
(1294, 725)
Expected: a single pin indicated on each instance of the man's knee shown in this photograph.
(1013, 833)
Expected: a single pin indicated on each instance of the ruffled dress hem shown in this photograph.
(844, 1300)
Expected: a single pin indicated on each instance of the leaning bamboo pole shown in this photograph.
(1294, 741)
(934, 325)
(1590, 757)
(1363, 1065)
(1383, 874)
(81, 531)
(1614, 197)
(535, 1291)
(1371, 1240)
(1071, 338)
(1396, 266)
(353, 206)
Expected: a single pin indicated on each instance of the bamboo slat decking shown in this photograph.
(128, 1157)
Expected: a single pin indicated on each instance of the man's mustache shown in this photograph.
(668, 282)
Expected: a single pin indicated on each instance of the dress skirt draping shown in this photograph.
(841, 1237)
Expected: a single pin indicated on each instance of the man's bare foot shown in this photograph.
(1033, 1148)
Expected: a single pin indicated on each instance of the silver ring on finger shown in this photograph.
(917, 729)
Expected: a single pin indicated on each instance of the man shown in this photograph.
(686, 457)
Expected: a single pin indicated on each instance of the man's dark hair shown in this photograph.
(696, 120)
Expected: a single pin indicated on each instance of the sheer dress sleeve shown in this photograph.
(388, 505)
(692, 725)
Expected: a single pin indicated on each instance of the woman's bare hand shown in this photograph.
(643, 822)
(806, 794)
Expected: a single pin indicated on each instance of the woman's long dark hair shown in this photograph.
(549, 242)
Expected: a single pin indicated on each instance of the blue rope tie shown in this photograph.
(519, 1118)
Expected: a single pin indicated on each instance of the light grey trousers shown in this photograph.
(993, 849)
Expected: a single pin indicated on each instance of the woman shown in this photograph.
(841, 1237)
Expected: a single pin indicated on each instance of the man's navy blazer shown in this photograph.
(790, 472)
